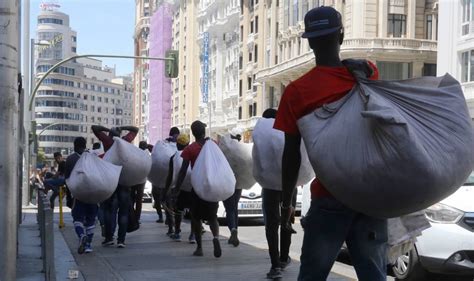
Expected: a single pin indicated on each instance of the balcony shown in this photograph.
(390, 43)
(468, 90)
(250, 40)
(142, 23)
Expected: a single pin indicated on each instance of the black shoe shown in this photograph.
(217, 248)
(234, 240)
(160, 220)
(198, 252)
(82, 245)
(274, 273)
(108, 242)
(285, 264)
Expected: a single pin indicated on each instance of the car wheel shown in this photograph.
(408, 268)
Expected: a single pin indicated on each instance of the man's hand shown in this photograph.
(287, 217)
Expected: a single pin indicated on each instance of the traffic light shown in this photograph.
(171, 66)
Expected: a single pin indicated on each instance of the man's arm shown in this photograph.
(97, 129)
(130, 129)
(182, 174)
(291, 162)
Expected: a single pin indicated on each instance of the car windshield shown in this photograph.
(470, 179)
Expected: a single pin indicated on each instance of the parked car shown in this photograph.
(147, 196)
(250, 204)
(448, 246)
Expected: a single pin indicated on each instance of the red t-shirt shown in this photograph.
(319, 86)
(108, 141)
(191, 152)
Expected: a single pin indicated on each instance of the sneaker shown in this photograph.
(169, 233)
(107, 242)
(121, 245)
(198, 252)
(82, 245)
(274, 273)
(285, 264)
(217, 248)
(160, 220)
(192, 239)
(234, 240)
(176, 237)
(88, 248)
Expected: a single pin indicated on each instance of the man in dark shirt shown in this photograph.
(57, 180)
(83, 214)
(120, 201)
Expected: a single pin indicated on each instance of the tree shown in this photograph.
(41, 157)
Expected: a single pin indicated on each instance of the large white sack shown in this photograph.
(239, 156)
(177, 163)
(160, 156)
(212, 177)
(267, 156)
(93, 180)
(135, 162)
(391, 148)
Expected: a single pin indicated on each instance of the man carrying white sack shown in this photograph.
(120, 201)
(328, 223)
(200, 210)
(83, 214)
(266, 147)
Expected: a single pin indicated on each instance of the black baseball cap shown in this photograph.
(321, 21)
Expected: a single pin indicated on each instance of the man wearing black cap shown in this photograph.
(200, 209)
(328, 223)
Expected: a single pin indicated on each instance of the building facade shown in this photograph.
(218, 38)
(78, 94)
(159, 120)
(456, 44)
(186, 87)
(398, 35)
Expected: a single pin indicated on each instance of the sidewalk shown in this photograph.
(29, 263)
(151, 255)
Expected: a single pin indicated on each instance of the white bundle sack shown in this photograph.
(160, 158)
(267, 156)
(239, 156)
(93, 180)
(212, 177)
(136, 163)
(177, 163)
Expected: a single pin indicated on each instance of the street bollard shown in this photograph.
(50, 271)
(61, 215)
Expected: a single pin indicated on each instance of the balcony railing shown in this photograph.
(390, 43)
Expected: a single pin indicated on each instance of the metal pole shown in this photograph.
(9, 48)
(27, 89)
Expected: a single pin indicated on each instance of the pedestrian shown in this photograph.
(96, 149)
(231, 205)
(138, 190)
(120, 200)
(200, 209)
(184, 199)
(57, 180)
(157, 191)
(83, 214)
(272, 198)
(328, 223)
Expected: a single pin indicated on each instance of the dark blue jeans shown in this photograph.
(231, 209)
(54, 184)
(84, 215)
(327, 225)
(120, 201)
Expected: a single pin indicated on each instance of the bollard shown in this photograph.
(61, 215)
(50, 271)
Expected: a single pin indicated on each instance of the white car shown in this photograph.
(448, 246)
(250, 204)
(147, 196)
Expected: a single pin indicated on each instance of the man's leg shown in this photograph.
(325, 228)
(155, 192)
(271, 215)
(110, 218)
(139, 201)
(78, 214)
(367, 244)
(124, 206)
(285, 239)
(214, 225)
(89, 223)
(230, 210)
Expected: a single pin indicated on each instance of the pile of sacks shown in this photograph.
(239, 156)
(161, 154)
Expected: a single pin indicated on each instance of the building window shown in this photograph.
(394, 70)
(240, 112)
(254, 113)
(251, 27)
(249, 83)
(467, 66)
(429, 69)
(250, 56)
(466, 16)
(256, 24)
(241, 61)
(429, 27)
(255, 54)
(250, 110)
(397, 25)
(240, 87)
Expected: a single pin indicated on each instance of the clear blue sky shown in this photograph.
(102, 26)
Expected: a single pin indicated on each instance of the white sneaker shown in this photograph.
(120, 245)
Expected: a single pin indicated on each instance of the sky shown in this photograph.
(102, 26)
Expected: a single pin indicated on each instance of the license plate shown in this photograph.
(255, 205)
